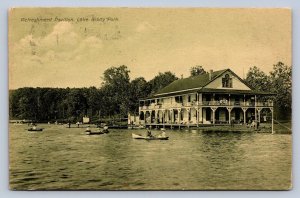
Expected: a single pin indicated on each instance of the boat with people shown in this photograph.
(159, 137)
(35, 129)
(94, 132)
(88, 131)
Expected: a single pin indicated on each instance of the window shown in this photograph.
(227, 81)
(178, 99)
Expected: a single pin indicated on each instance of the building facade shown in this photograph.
(219, 97)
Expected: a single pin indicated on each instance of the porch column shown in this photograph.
(214, 119)
(200, 114)
(197, 109)
(168, 116)
(197, 116)
(255, 113)
(214, 109)
(179, 117)
(189, 115)
(155, 116)
(163, 118)
(244, 110)
(244, 100)
(146, 119)
(229, 117)
(272, 121)
(171, 116)
(258, 111)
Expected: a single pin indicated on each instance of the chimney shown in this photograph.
(181, 76)
(210, 74)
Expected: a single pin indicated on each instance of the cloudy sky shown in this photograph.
(72, 47)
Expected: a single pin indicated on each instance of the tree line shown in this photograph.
(119, 95)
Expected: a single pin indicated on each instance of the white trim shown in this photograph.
(233, 75)
(170, 96)
(178, 91)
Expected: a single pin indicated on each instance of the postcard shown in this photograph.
(150, 98)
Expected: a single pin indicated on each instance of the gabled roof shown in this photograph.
(191, 83)
(198, 84)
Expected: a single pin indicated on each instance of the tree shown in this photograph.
(279, 81)
(197, 70)
(26, 103)
(161, 80)
(77, 104)
(139, 88)
(281, 78)
(14, 110)
(258, 79)
(116, 83)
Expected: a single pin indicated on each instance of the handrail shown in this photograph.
(210, 103)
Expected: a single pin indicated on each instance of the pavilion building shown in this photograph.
(213, 98)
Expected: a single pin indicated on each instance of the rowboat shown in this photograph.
(137, 136)
(99, 132)
(94, 132)
(36, 129)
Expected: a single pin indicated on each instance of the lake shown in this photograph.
(61, 158)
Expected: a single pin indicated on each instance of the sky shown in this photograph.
(72, 47)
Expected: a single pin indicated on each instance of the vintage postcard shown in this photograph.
(150, 99)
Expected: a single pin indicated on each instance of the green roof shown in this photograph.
(193, 82)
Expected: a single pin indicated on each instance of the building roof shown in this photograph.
(197, 84)
(194, 82)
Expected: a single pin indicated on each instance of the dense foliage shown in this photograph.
(197, 70)
(114, 99)
(279, 81)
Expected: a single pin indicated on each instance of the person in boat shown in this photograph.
(34, 127)
(105, 129)
(149, 133)
(88, 128)
(163, 134)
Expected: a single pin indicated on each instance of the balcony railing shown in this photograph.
(221, 103)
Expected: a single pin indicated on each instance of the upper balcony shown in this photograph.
(237, 103)
(219, 103)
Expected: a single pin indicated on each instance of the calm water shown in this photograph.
(62, 158)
